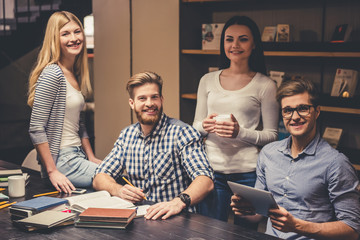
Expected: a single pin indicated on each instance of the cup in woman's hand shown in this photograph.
(223, 118)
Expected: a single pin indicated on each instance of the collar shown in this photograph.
(157, 128)
(309, 150)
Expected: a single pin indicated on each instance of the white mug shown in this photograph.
(223, 118)
(16, 186)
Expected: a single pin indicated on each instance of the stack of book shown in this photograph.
(33, 206)
(4, 174)
(105, 218)
(46, 219)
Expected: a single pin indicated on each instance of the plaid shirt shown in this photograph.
(163, 163)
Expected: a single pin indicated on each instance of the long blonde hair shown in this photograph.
(50, 53)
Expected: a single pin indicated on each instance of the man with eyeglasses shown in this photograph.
(313, 184)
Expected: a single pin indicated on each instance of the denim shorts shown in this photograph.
(73, 163)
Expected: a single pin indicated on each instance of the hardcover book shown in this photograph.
(108, 215)
(269, 34)
(7, 173)
(283, 33)
(277, 76)
(345, 82)
(39, 204)
(47, 219)
(332, 136)
(211, 34)
(341, 33)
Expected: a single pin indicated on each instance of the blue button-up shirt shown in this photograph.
(162, 163)
(319, 185)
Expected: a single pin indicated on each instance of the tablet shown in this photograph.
(260, 199)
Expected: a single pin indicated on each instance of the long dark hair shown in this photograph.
(257, 59)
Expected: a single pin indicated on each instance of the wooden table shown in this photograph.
(184, 226)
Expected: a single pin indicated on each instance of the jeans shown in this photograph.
(73, 163)
(217, 203)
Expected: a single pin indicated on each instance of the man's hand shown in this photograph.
(282, 220)
(241, 206)
(60, 182)
(165, 209)
(209, 123)
(227, 129)
(130, 193)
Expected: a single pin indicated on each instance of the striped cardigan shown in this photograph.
(48, 111)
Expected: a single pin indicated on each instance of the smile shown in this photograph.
(297, 124)
(74, 45)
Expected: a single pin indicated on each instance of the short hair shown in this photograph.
(142, 78)
(257, 59)
(298, 86)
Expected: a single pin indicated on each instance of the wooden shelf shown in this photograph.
(357, 167)
(282, 53)
(193, 96)
(340, 110)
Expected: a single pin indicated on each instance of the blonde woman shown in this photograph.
(57, 86)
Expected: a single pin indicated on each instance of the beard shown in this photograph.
(149, 120)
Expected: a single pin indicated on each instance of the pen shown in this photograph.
(128, 182)
(48, 193)
(3, 202)
(6, 205)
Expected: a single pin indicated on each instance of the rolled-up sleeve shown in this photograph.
(343, 193)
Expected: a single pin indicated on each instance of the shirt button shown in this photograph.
(285, 195)
(287, 177)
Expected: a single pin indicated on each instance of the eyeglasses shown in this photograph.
(302, 111)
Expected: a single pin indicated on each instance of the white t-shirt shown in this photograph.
(74, 105)
(249, 105)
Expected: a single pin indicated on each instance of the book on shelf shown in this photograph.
(345, 82)
(46, 219)
(283, 33)
(332, 136)
(269, 34)
(31, 207)
(99, 199)
(211, 35)
(277, 76)
(341, 33)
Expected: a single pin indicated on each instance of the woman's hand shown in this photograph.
(61, 182)
(209, 123)
(95, 160)
(227, 129)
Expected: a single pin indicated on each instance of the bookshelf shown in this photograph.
(309, 54)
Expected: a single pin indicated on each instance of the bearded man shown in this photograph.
(164, 158)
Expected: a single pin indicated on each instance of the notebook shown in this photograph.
(47, 219)
(107, 215)
(40, 203)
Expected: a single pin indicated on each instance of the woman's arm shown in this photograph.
(46, 91)
(57, 179)
(270, 119)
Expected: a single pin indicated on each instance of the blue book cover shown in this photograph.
(40, 203)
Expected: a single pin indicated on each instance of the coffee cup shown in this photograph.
(223, 118)
(16, 186)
